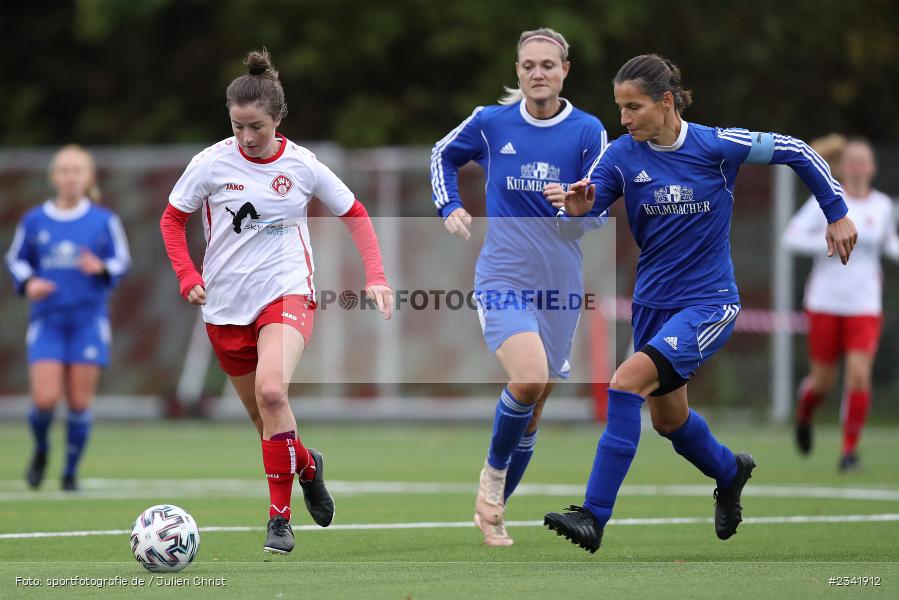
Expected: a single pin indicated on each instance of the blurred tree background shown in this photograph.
(405, 71)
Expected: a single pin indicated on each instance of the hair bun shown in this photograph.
(259, 63)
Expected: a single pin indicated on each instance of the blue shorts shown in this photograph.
(72, 335)
(686, 337)
(554, 324)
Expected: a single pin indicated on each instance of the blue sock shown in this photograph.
(79, 429)
(40, 421)
(511, 420)
(695, 442)
(614, 454)
(520, 459)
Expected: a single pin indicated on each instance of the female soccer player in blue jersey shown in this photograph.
(66, 256)
(677, 181)
(531, 139)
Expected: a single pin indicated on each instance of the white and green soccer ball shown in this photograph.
(165, 538)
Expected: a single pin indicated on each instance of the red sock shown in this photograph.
(282, 456)
(808, 402)
(305, 470)
(856, 413)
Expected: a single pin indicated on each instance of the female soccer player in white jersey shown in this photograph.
(677, 181)
(253, 190)
(532, 138)
(844, 304)
(66, 256)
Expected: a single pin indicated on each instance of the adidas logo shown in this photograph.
(508, 149)
(642, 177)
(672, 341)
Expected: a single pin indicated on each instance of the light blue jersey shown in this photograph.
(679, 202)
(524, 257)
(70, 324)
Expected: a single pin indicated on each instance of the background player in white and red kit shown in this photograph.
(256, 290)
(843, 303)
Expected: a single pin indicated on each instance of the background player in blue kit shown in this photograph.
(66, 256)
(677, 181)
(532, 138)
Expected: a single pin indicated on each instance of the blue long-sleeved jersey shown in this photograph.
(520, 155)
(47, 244)
(679, 202)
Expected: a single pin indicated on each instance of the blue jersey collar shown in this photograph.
(71, 214)
(544, 122)
(677, 144)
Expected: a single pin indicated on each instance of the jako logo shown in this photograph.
(238, 187)
(289, 316)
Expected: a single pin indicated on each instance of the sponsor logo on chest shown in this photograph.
(534, 177)
(62, 255)
(674, 200)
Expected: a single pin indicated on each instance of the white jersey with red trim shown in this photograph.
(855, 288)
(254, 221)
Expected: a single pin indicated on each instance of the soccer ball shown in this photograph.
(164, 538)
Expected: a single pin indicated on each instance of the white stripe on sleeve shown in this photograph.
(121, 260)
(20, 269)
(438, 182)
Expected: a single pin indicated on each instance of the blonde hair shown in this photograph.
(831, 148)
(515, 95)
(93, 191)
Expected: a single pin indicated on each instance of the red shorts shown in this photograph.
(831, 336)
(235, 345)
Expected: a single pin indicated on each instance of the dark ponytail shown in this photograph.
(260, 86)
(656, 75)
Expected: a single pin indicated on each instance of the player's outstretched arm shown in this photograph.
(361, 230)
(753, 147)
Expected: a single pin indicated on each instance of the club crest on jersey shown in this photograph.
(540, 170)
(281, 184)
(673, 193)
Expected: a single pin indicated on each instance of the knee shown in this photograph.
(857, 383)
(665, 425)
(46, 397)
(527, 392)
(270, 395)
(822, 381)
(79, 402)
(622, 382)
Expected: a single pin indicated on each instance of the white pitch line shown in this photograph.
(132, 489)
(795, 519)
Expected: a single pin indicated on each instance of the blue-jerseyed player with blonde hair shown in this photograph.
(532, 138)
(677, 179)
(66, 256)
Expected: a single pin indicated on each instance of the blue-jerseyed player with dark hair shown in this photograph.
(67, 254)
(677, 179)
(532, 138)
